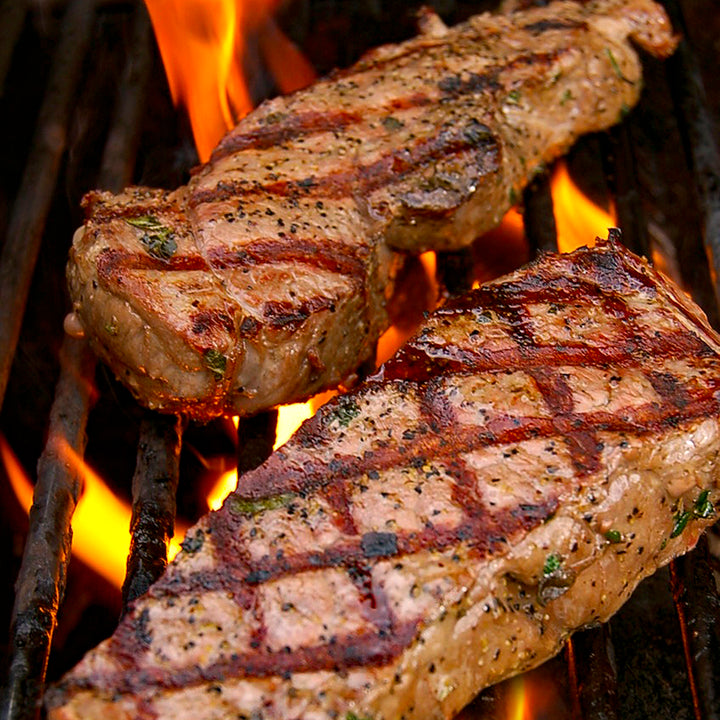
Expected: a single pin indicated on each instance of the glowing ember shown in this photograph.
(203, 43)
(101, 522)
(579, 221)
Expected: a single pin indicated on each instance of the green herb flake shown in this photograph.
(613, 536)
(681, 520)
(216, 362)
(352, 716)
(566, 97)
(275, 117)
(111, 328)
(703, 508)
(615, 66)
(253, 506)
(159, 240)
(513, 97)
(513, 196)
(552, 563)
(391, 124)
(346, 411)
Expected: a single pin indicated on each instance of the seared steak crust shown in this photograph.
(265, 279)
(535, 451)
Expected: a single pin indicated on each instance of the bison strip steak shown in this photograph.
(265, 279)
(539, 447)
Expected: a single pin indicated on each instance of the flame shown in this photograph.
(101, 521)
(203, 44)
(535, 694)
(222, 488)
(579, 221)
(518, 704)
(395, 337)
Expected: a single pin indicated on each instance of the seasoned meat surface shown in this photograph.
(265, 279)
(537, 449)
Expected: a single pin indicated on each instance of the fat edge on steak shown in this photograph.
(264, 280)
(535, 451)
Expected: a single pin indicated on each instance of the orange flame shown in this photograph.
(203, 44)
(395, 337)
(518, 704)
(579, 221)
(531, 695)
(101, 521)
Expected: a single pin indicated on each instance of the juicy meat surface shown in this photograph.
(264, 280)
(535, 451)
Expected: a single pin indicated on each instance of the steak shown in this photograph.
(264, 280)
(542, 445)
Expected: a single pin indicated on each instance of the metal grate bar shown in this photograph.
(27, 222)
(154, 488)
(41, 583)
(630, 215)
(120, 150)
(698, 603)
(699, 137)
(13, 13)
(539, 217)
(256, 437)
(595, 674)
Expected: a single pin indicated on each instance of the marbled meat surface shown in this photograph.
(539, 447)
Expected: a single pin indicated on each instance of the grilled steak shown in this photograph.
(539, 447)
(265, 279)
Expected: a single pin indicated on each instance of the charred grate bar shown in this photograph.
(41, 584)
(593, 688)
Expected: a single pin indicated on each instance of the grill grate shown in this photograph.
(597, 677)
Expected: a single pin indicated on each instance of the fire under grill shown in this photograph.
(84, 105)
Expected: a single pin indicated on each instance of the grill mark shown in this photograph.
(371, 648)
(280, 314)
(334, 256)
(608, 275)
(364, 179)
(374, 602)
(484, 531)
(287, 126)
(112, 263)
(338, 499)
(670, 389)
(481, 532)
(581, 439)
(557, 395)
(208, 322)
(422, 360)
(283, 127)
(100, 211)
(652, 417)
(489, 81)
